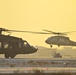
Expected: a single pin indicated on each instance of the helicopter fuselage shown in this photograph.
(11, 46)
(60, 41)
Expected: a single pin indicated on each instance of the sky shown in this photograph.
(36, 15)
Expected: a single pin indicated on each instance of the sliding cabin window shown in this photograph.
(5, 45)
(0, 45)
(20, 45)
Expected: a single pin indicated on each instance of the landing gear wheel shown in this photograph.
(58, 45)
(6, 55)
(12, 56)
(51, 46)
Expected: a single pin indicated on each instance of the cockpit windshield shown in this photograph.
(26, 44)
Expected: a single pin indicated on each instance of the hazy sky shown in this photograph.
(35, 15)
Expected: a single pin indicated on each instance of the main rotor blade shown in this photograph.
(54, 32)
(48, 31)
(7, 30)
(69, 32)
(29, 32)
(38, 32)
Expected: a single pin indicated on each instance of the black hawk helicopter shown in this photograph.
(10, 46)
(59, 39)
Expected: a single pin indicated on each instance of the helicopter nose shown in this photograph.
(35, 49)
(46, 41)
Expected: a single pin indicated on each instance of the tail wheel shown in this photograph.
(6, 55)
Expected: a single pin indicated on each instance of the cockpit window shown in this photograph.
(26, 44)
